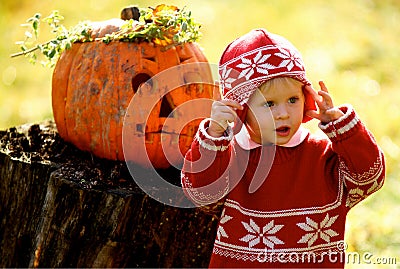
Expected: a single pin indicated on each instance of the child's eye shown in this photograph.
(293, 100)
(269, 103)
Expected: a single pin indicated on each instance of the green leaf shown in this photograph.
(52, 53)
(184, 26)
(35, 25)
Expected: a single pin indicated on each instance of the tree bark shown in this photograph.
(49, 218)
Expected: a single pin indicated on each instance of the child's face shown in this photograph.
(275, 111)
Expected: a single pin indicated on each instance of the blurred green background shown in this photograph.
(352, 45)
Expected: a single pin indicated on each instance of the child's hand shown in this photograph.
(327, 111)
(222, 113)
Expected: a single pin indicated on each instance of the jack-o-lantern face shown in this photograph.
(94, 83)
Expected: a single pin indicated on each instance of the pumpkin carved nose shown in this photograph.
(166, 108)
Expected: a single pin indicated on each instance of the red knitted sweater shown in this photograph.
(294, 214)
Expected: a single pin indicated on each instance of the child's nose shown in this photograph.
(281, 112)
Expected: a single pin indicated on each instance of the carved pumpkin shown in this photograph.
(94, 82)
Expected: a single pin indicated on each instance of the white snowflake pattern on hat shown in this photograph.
(249, 66)
(226, 80)
(289, 60)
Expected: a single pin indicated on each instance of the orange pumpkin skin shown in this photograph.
(93, 84)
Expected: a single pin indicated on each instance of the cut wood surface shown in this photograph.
(61, 207)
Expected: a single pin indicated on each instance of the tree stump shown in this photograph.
(61, 207)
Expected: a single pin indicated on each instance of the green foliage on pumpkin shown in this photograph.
(163, 25)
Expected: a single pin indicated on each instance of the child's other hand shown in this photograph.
(327, 111)
(222, 113)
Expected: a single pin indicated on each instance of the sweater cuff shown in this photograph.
(342, 127)
(213, 143)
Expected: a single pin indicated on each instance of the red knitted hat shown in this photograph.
(255, 58)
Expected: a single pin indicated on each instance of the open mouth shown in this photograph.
(283, 130)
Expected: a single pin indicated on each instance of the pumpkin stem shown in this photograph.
(131, 12)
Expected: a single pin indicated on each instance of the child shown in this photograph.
(285, 192)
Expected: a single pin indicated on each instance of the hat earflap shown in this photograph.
(309, 104)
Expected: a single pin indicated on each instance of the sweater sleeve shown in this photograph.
(204, 175)
(361, 163)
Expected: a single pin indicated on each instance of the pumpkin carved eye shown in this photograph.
(139, 80)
